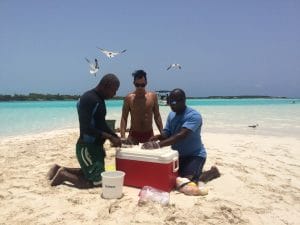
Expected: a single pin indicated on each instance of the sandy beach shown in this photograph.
(260, 184)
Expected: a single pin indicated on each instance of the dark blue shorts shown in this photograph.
(191, 166)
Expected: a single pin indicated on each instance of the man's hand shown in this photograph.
(132, 141)
(116, 141)
(150, 145)
(154, 138)
(126, 141)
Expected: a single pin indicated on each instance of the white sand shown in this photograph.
(259, 185)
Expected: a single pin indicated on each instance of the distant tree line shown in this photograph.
(41, 97)
(59, 97)
(234, 97)
(37, 97)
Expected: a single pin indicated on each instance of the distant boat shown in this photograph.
(163, 97)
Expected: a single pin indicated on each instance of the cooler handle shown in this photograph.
(175, 165)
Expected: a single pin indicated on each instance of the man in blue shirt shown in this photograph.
(182, 132)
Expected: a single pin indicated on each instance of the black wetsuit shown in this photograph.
(92, 111)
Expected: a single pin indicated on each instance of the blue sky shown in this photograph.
(224, 47)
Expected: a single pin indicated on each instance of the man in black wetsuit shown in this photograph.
(93, 133)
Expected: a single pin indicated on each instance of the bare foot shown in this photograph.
(63, 175)
(58, 178)
(53, 170)
(211, 174)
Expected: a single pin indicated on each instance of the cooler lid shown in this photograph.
(161, 155)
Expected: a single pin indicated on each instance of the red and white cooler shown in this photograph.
(157, 168)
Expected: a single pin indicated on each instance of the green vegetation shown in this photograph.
(38, 97)
(59, 97)
(41, 97)
(235, 97)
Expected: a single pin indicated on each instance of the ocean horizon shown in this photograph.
(275, 116)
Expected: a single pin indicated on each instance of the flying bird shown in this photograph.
(110, 54)
(253, 126)
(174, 65)
(94, 67)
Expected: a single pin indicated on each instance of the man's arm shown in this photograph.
(157, 137)
(113, 138)
(190, 125)
(184, 132)
(166, 141)
(157, 117)
(108, 130)
(125, 112)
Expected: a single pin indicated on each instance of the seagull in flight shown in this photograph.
(110, 54)
(94, 67)
(174, 65)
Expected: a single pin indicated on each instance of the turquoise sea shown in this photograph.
(274, 116)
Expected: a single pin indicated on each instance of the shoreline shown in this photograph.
(205, 130)
(259, 184)
(66, 97)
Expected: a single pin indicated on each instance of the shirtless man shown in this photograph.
(142, 106)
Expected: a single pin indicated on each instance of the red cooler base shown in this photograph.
(143, 173)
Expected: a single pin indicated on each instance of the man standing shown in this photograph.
(142, 106)
(93, 133)
(183, 133)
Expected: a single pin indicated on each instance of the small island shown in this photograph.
(41, 97)
(60, 97)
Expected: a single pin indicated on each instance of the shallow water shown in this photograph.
(274, 116)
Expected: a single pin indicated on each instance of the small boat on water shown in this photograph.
(163, 97)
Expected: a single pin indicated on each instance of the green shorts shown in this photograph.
(91, 160)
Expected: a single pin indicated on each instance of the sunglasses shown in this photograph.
(139, 85)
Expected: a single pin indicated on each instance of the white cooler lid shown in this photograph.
(161, 155)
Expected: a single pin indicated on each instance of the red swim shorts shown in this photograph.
(141, 137)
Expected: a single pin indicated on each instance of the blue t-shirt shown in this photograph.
(192, 144)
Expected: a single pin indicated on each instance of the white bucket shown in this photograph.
(112, 184)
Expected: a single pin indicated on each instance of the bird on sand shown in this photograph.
(253, 126)
(94, 67)
(110, 54)
(174, 65)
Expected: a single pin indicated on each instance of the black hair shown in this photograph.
(138, 74)
(178, 92)
(109, 80)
